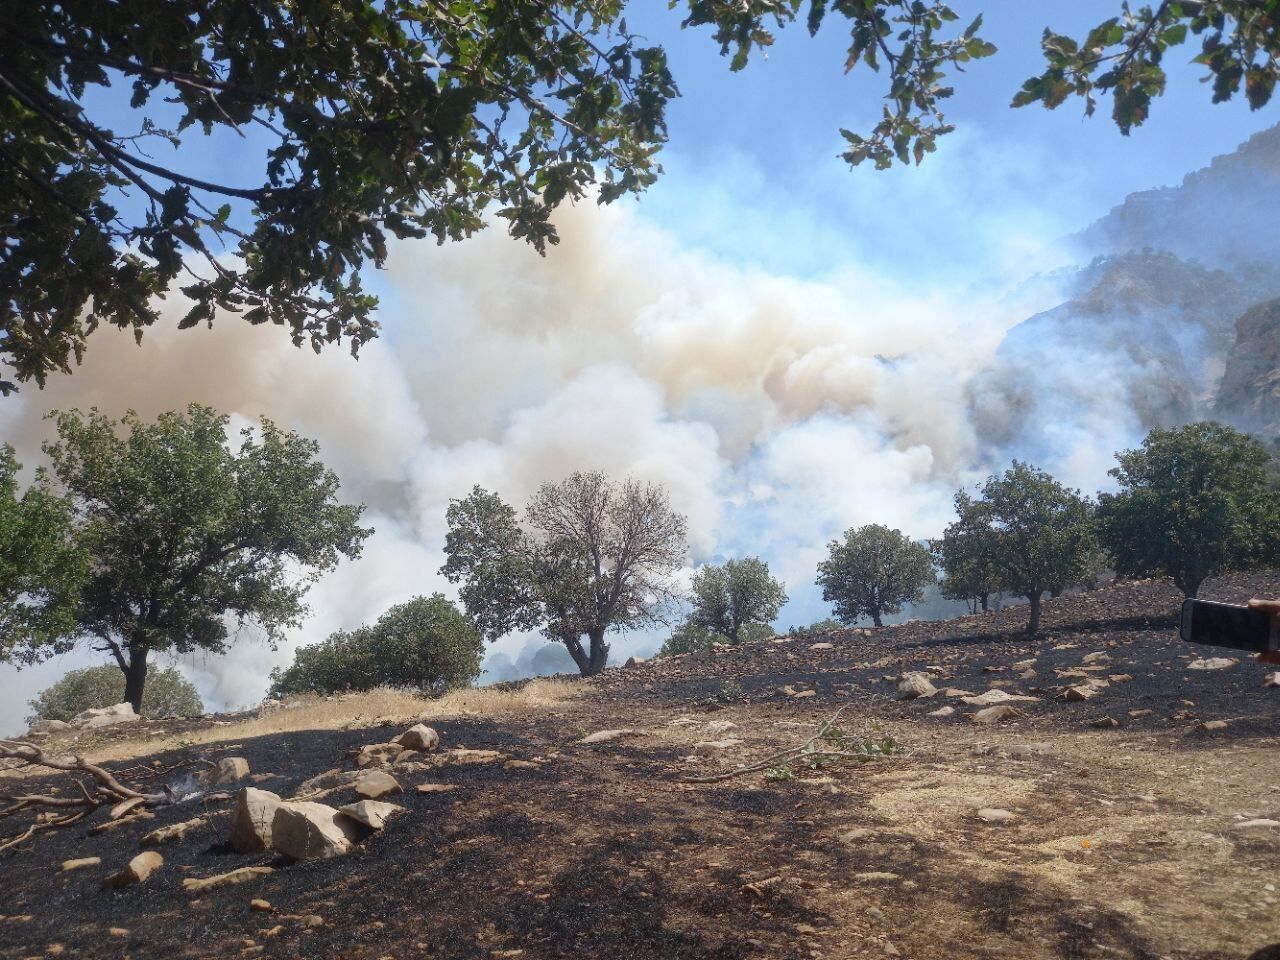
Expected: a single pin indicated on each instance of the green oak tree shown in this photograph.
(363, 120)
(41, 566)
(425, 643)
(188, 535)
(1194, 501)
(967, 571)
(592, 556)
(1037, 534)
(872, 572)
(735, 594)
(168, 694)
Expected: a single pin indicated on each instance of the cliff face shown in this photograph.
(1222, 215)
(1249, 395)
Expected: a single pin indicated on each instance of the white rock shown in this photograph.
(139, 868)
(96, 717)
(726, 744)
(305, 831)
(915, 685)
(419, 737)
(252, 820)
(996, 815)
(375, 785)
(942, 712)
(1271, 679)
(822, 646)
(997, 696)
(1258, 822)
(717, 727)
(371, 813)
(1212, 663)
(228, 770)
(996, 714)
(1081, 691)
(605, 736)
(49, 726)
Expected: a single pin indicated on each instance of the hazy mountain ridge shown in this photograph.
(1249, 396)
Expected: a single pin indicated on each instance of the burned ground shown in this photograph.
(1130, 840)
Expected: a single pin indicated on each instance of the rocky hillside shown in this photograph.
(1101, 791)
(1249, 395)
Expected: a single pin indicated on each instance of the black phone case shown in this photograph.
(1228, 625)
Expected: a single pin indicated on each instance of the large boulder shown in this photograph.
(308, 831)
(419, 737)
(96, 717)
(253, 819)
(915, 685)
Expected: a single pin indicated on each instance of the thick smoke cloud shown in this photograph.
(777, 411)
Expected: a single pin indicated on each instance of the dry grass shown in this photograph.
(349, 711)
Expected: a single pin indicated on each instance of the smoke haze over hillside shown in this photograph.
(777, 410)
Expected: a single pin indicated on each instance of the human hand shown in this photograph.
(1272, 607)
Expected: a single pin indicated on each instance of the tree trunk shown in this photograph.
(599, 654)
(1033, 623)
(986, 602)
(135, 677)
(580, 658)
(1189, 584)
(875, 618)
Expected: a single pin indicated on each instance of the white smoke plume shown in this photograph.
(777, 411)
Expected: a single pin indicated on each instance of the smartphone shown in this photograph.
(1227, 625)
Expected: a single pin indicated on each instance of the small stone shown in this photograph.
(1258, 822)
(175, 831)
(1119, 677)
(822, 646)
(875, 913)
(49, 726)
(242, 875)
(118, 931)
(260, 906)
(997, 714)
(1214, 725)
(1024, 751)
(956, 692)
(915, 685)
(806, 694)
(437, 787)
(139, 868)
(1212, 663)
(461, 757)
(252, 819)
(371, 813)
(419, 737)
(634, 661)
(996, 815)
(1104, 723)
(1027, 674)
(521, 765)
(997, 696)
(377, 754)
(311, 920)
(69, 865)
(1098, 657)
(228, 770)
(1080, 691)
(607, 736)
(375, 785)
(1271, 679)
(942, 712)
(718, 727)
(873, 876)
(1139, 714)
(727, 744)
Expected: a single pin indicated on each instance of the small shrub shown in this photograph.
(780, 772)
(730, 692)
(168, 694)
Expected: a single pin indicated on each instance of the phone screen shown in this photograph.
(1225, 625)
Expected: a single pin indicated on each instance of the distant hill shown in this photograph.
(1249, 396)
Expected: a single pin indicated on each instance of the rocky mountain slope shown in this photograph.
(1012, 819)
(1249, 395)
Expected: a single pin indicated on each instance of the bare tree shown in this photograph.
(593, 556)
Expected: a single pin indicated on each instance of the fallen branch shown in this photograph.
(813, 751)
(107, 791)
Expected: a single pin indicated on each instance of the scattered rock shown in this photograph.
(1212, 663)
(69, 865)
(1081, 691)
(607, 736)
(1214, 725)
(942, 712)
(956, 692)
(97, 717)
(326, 781)
(258, 905)
(875, 875)
(1098, 657)
(634, 661)
(1104, 723)
(806, 694)
(521, 765)
(1271, 679)
(757, 888)
(139, 868)
(461, 757)
(419, 737)
(1139, 714)
(252, 820)
(1258, 822)
(822, 646)
(1024, 751)
(242, 875)
(49, 726)
(997, 696)
(175, 831)
(915, 685)
(228, 770)
(437, 787)
(304, 831)
(377, 754)
(726, 744)
(375, 785)
(1119, 677)
(1027, 674)
(118, 931)
(997, 714)
(996, 815)
(371, 813)
(718, 727)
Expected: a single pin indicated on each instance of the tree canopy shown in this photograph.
(168, 694)
(592, 556)
(872, 572)
(1194, 501)
(185, 533)
(732, 595)
(41, 566)
(425, 643)
(1037, 534)
(398, 118)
